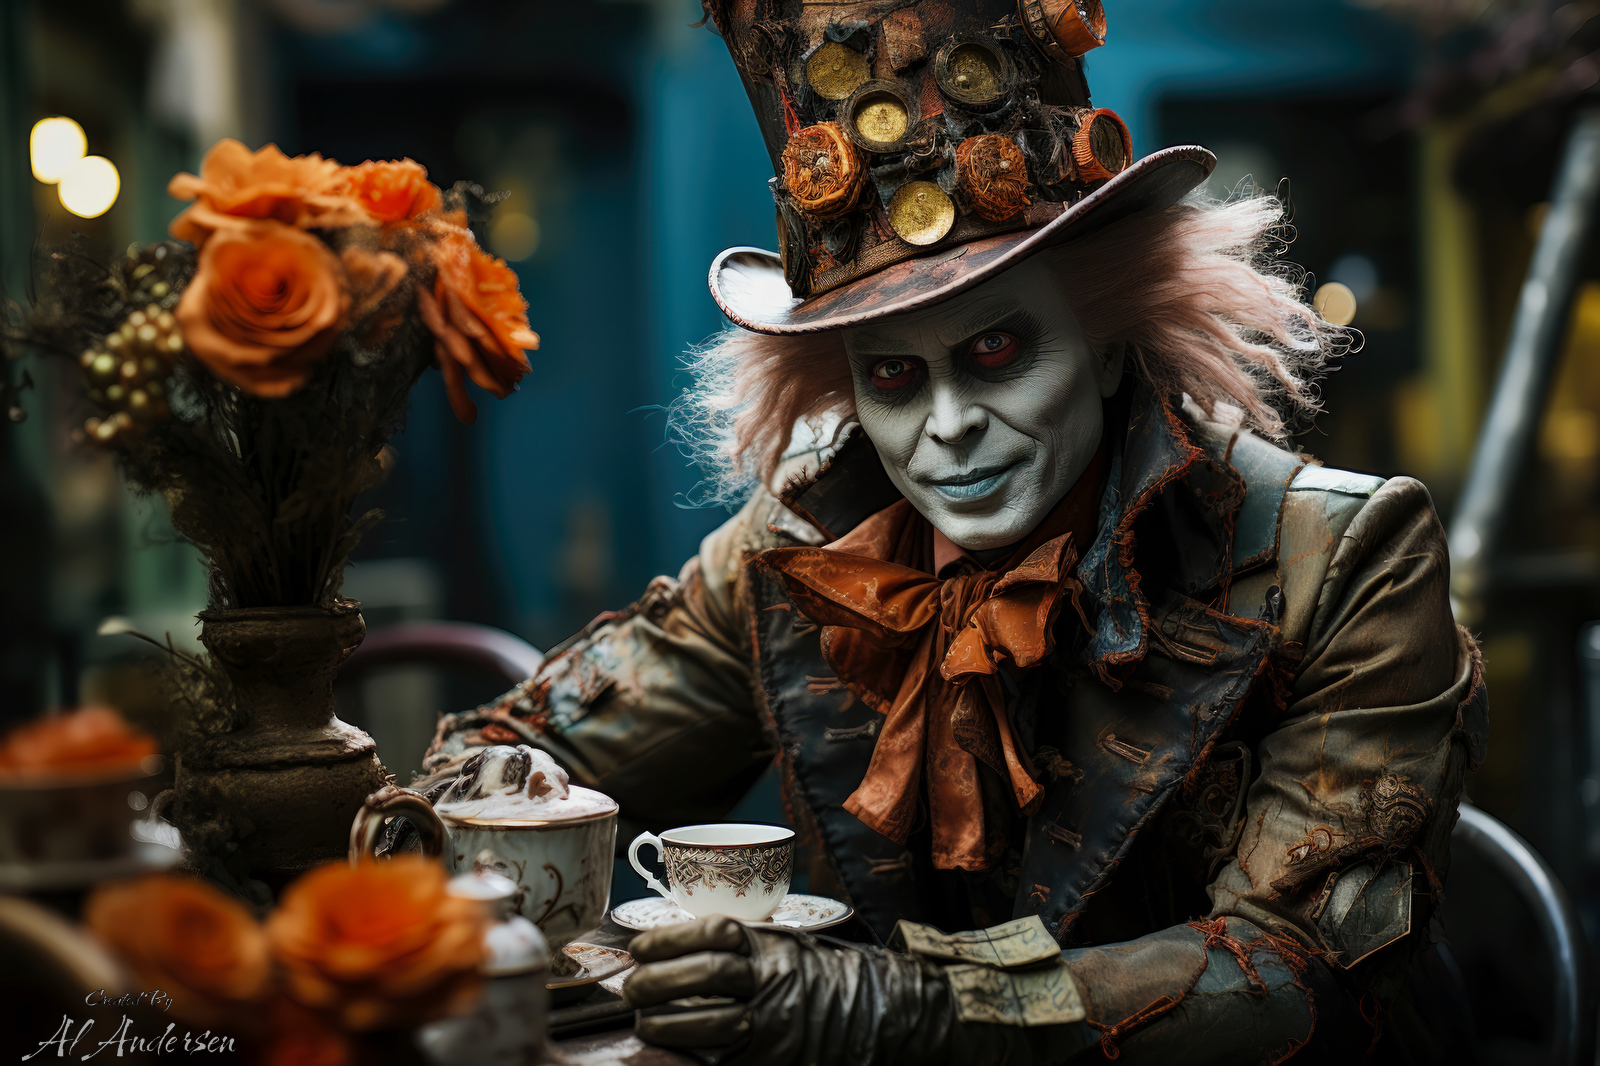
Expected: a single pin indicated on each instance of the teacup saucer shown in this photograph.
(144, 857)
(795, 911)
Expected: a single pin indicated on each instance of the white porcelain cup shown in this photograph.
(733, 868)
(512, 811)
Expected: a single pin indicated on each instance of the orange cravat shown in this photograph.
(926, 652)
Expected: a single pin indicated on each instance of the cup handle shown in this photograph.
(633, 860)
(388, 801)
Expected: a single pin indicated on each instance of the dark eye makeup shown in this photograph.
(993, 351)
(1003, 349)
(998, 352)
(895, 374)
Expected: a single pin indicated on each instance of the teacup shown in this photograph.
(64, 828)
(733, 868)
(559, 853)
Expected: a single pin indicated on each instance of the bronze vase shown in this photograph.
(269, 785)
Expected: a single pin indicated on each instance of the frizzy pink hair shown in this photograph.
(1194, 293)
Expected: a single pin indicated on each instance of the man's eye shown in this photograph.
(894, 373)
(993, 350)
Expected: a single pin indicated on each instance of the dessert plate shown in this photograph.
(795, 911)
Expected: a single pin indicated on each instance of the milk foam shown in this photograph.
(518, 783)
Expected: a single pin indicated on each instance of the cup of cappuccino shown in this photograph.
(513, 811)
(733, 868)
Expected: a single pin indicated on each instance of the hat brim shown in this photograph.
(748, 283)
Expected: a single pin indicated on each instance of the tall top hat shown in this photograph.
(922, 146)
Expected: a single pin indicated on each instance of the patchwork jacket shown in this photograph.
(1251, 763)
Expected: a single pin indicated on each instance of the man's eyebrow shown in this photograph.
(867, 344)
(994, 313)
(990, 315)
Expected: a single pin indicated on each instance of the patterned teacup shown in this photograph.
(731, 868)
(513, 811)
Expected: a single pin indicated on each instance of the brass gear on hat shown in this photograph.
(993, 174)
(823, 170)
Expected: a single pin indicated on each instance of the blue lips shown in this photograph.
(987, 482)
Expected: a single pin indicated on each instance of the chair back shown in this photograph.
(458, 644)
(383, 691)
(1573, 1039)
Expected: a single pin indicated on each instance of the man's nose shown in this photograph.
(953, 416)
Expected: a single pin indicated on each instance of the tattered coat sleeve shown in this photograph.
(652, 705)
(1346, 832)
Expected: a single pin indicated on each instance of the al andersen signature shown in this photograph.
(123, 1042)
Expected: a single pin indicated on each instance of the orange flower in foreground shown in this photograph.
(181, 935)
(236, 183)
(479, 320)
(92, 739)
(266, 302)
(379, 944)
(391, 191)
(299, 1037)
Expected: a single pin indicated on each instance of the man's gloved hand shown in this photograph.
(706, 959)
(807, 999)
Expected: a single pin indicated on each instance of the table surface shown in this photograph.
(618, 1049)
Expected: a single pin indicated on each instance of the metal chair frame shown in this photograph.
(1573, 1039)
(463, 644)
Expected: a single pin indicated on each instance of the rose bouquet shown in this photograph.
(351, 950)
(251, 370)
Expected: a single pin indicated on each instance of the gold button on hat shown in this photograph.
(879, 118)
(921, 213)
(836, 70)
(971, 75)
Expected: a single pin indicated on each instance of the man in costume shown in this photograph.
(1050, 639)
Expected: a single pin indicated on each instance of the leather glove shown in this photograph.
(802, 999)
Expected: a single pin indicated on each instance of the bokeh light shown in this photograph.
(1335, 303)
(89, 187)
(53, 146)
(514, 235)
(1358, 273)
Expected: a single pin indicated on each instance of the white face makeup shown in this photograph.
(986, 408)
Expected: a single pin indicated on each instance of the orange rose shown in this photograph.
(266, 302)
(184, 937)
(91, 739)
(236, 183)
(373, 276)
(391, 191)
(379, 944)
(478, 318)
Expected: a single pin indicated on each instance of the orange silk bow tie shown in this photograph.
(926, 652)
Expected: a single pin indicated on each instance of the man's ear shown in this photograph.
(1108, 368)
